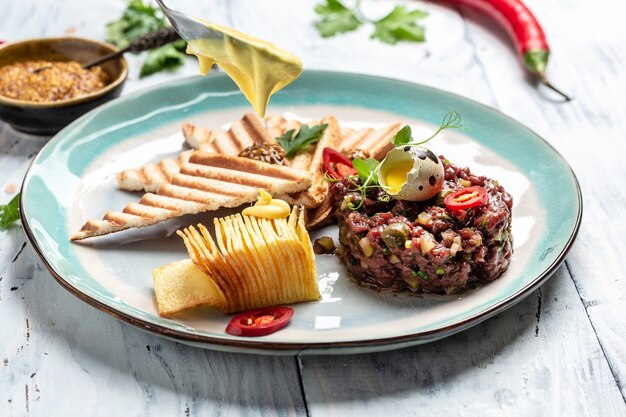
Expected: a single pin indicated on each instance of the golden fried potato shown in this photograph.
(252, 263)
(182, 285)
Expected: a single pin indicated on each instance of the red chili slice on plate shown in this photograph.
(336, 164)
(259, 322)
(466, 198)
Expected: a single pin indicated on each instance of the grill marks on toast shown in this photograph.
(247, 131)
(375, 141)
(206, 190)
(208, 179)
(151, 176)
(244, 133)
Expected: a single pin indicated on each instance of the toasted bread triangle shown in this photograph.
(193, 192)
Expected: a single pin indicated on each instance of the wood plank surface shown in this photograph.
(559, 352)
(61, 357)
(539, 358)
(589, 133)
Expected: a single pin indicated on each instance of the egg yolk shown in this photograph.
(396, 176)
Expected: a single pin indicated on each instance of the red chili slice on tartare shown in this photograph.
(259, 322)
(466, 198)
(336, 164)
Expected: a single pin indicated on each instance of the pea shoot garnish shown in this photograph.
(452, 120)
(368, 169)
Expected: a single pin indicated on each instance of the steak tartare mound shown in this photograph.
(425, 247)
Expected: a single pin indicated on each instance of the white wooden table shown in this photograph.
(560, 352)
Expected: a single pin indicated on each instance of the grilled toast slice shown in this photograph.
(377, 142)
(207, 182)
(247, 131)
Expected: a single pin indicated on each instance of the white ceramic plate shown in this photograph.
(73, 179)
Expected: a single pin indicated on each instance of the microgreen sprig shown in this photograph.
(452, 120)
(368, 169)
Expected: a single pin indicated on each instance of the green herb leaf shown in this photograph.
(166, 57)
(452, 120)
(400, 24)
(423, 275)
(138, 19)
(293, 142)
(361, 168)
(367, 170)
(336, 18)
(10, 213)
(403, 136)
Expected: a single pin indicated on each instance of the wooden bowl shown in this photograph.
(48, 118)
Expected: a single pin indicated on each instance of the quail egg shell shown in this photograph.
(412, 173)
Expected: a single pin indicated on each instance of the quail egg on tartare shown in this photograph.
(412, 173)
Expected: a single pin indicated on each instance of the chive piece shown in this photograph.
(441, 271)
(386, 251)
(413, 273)
(446, 218)
(423, 275)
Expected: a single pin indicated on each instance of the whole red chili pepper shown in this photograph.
(524, 28)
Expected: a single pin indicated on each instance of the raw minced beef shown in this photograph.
(444, 251)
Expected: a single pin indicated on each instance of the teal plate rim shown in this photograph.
(358, 346)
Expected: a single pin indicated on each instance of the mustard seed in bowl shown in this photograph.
(50, 81)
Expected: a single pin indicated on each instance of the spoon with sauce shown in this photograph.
(258, 67)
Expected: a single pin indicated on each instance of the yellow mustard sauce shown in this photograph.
(259, 68)
(268, 207)
(396, 176)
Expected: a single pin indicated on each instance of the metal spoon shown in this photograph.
(187, 27)
(145, 42)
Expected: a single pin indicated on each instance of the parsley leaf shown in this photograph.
(166, 57)
(10, 213)
(336, 18)
(400, 25)
(292, 142)
(138, 19)
(402, 137)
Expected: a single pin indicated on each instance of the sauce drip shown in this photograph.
(396, 177)
(259, 68)
(268, 207)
